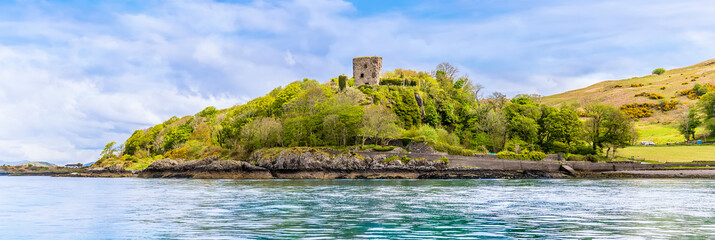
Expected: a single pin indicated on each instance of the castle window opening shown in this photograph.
(362, 75)
(365, 65)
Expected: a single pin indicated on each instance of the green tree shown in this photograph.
(522, 115)
(495, 127)
(262, 132)
(707, 108)
(688, 123)
(208, 112)
(658, 71)
(379, 123)
(109, 151)
(431, 115)
(342, 82)
(558, 126)
(607, 126)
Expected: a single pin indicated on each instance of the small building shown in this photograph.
(76, 165)
(367, 70)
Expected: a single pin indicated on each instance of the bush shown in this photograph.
(453, 150)
(584, 150)
(638, 110)
(383, 148)
(404, 159)
(398, 82)
(618, 86)
(637, 85)
(649, 95)
(526, 155)
(444, 160)
(390, 159)
(658, 71)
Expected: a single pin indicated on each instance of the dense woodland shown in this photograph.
(440, 107)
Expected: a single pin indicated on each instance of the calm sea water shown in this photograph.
(130, 208)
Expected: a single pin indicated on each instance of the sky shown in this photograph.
(75, 75)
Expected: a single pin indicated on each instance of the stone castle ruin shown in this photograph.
(367, 70)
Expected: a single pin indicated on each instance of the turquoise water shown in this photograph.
(130, 208)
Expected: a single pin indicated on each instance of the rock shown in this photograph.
(418, 99)
(420, 147)
(208, 164)
(568, 169)
(162, 165)
(292, 159)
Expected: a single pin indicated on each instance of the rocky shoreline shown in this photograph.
(310, 163)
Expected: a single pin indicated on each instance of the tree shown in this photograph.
(497, 100)
(342, 82)
(608, 126)
(208, 112)
(261, 133)
(658, 71)
(494, 126)
(688, 123)
(522, 115)
(706, 104)
(448, 72)
(558, 126)
(109, 150)
(379, 122)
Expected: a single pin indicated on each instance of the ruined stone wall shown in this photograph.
(367, 70)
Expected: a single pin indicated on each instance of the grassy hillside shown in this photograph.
(620, 92)
(675, 86)
(670, 153)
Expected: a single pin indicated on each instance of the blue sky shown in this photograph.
(75, 75)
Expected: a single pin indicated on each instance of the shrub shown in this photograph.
(342, 82)
(584, 149)
(390, 159)
(684, 83)
(618, 86)
(667, 105)
(637, 85)
(404, 159)
(383, 148)
(638, 110)
(444, 160)
(179, 153)
(453, 150)
(525, 155)
(658, 71)
(587, 157)
(398, 82)
(649, 95)
(662, 88)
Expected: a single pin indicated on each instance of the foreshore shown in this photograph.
(315, 164)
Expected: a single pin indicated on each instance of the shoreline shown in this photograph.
(307, 163)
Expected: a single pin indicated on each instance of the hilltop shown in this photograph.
(674, 89)
(379, 113)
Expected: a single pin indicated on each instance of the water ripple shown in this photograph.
(73, 208)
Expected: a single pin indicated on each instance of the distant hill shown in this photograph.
(668, 85)
(12, 163)
(37, 164)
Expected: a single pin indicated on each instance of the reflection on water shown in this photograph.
(81, 208)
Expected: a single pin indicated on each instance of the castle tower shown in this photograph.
(367, 70)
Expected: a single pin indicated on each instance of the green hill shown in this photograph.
(308, 113)
(440, 109)
(649, 98)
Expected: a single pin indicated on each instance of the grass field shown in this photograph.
(670, 153)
